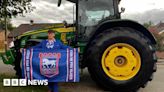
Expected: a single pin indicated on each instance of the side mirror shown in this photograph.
(59, 3)
(65, 24)
(122, 10)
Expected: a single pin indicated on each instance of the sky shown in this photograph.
(47, 11)
(140, 6)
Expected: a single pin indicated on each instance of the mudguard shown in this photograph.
(124, 23)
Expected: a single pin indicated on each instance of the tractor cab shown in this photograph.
(90, 13)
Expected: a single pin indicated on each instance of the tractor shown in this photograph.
(119, 53)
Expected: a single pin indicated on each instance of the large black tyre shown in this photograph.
(121, 35)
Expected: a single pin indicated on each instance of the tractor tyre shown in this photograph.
(121, 59)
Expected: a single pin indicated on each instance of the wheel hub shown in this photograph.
(121, 61)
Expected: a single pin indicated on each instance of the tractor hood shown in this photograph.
(58, 30)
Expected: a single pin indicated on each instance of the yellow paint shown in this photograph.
(60, 30)
(121, 61)
(63, 37)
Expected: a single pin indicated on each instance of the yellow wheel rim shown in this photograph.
(121, 61)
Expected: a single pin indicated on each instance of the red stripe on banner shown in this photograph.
(31, 71)
(67, 66)
(29, 64)
(25, 74)
(74, 64)
(41, 66)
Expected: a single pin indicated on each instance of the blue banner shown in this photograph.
(54, 65)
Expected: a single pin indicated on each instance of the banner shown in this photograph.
(54, 65)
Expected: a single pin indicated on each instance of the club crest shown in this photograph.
(50, 45)
(49, 64)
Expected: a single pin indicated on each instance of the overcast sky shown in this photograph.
(47, 11)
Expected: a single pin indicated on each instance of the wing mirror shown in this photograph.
(59, 3)
(65, 24)
(122, 10)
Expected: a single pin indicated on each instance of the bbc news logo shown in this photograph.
(23, 82)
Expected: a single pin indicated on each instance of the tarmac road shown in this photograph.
(157, 84)
(7, 69)
(87, 85)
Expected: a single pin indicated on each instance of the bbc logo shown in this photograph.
(24, 82)
(14, 82)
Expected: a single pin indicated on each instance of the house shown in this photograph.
(2, 39)
(29, 27)
(153, 30)
(160, 55)
(160, 27)
(2, 35)
(157, 29)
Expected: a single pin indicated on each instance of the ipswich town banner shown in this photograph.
(54, 65)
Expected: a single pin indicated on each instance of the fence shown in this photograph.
(2, 46)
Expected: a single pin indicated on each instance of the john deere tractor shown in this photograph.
(119, 53)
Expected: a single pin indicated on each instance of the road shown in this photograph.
(87, 85)
(157, 84)
(6, 68)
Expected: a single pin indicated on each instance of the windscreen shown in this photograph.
(92, 11)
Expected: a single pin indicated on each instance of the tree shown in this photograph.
(160, 42)
(9, 25)
(148, 24)
(11, 8)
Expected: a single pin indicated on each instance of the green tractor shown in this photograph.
(119, 54)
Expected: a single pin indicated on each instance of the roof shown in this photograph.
(28, 27)
(157, 29)
(153, 29)
(160, 26)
